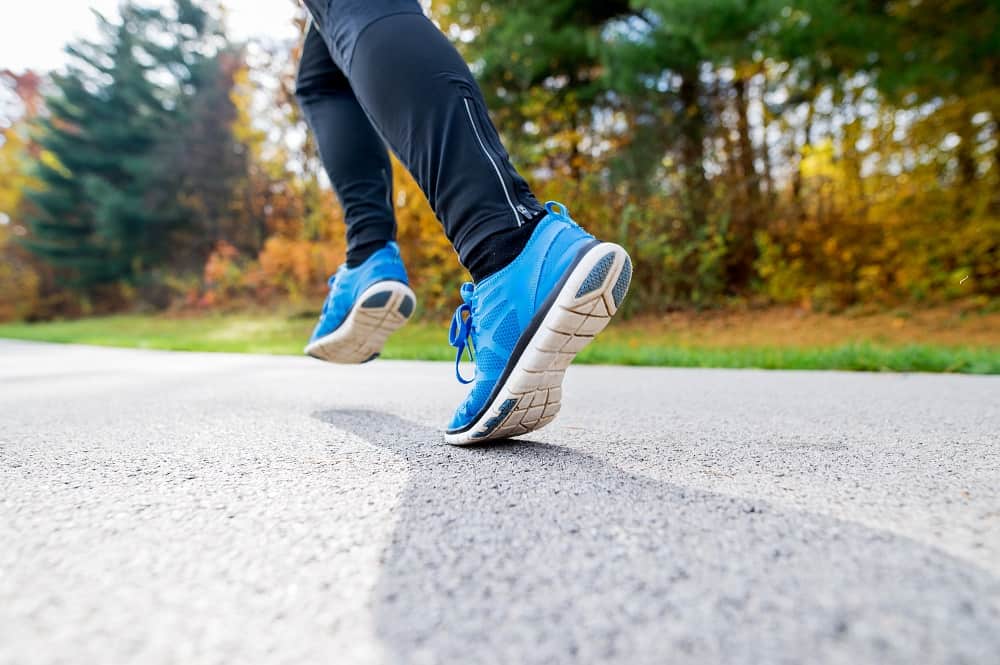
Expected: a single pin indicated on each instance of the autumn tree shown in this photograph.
(21, 280)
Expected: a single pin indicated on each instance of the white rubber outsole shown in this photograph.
(379, 311)
(531, 396)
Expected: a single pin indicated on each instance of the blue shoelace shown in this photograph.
(460, 333)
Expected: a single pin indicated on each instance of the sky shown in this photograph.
(32, 34)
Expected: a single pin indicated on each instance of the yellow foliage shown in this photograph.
(880, 239)
(431, 262)
(20, 283)
(223, 274)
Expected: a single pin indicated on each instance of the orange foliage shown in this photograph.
(295, 267)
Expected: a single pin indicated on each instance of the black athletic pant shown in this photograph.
(379, 70)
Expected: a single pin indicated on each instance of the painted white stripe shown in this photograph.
(503, 185)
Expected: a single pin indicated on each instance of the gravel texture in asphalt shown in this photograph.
(197, 508)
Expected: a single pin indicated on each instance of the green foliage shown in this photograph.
(114, 189)
(823, 153)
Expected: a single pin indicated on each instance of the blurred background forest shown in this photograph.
(812, 153)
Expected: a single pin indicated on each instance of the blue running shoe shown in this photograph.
(366, 304)
(526, 323)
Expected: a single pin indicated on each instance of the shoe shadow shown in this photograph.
(523, 552)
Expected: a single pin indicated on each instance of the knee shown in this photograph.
(305, 91)
(311, 86)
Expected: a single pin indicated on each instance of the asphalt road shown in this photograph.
(193, 508)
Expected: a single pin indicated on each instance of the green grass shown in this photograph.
(621, 344)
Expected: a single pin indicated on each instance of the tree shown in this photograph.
(20, 278)
(726, 135)
(106, 205)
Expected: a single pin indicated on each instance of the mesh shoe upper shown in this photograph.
(347, 284)
(496, 312)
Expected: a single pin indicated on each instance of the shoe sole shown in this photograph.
(531, 396)
(380, 311)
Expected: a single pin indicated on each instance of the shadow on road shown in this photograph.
(526, 552)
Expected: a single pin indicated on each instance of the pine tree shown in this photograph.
(107, 205)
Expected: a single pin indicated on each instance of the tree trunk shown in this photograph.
(797, 175)
(967, 167)
(692, 150)
(746, 219)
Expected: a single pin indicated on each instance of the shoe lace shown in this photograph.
(557, 209)
(460, 333)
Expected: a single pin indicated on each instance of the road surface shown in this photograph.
(196, 508)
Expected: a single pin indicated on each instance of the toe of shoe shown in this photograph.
(460, 418)
(316, 333)
(326, 325)
(475, 402)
